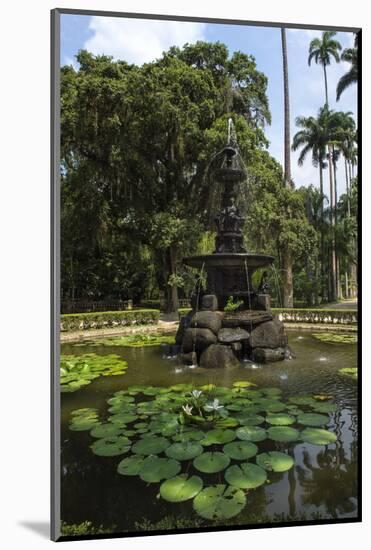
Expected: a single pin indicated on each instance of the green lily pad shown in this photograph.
(283, 433)
(325, 407)
(77, 371)
(245, 476)
(130, 466)
(318, 436)
(280, 419)
(105, 430)
(352, 372)
(226, 422)
(251, 433)
(218, 436)
(250, 419)
(219, 502)
(189, 435)
(313, 419)
(111, 446)
(82, 424)
(123, 418)
(150, 445)
(184, 450)
(154, 469)
(210, 463)
(275, 461)
(303, 400)
(181, 488)
(243, 384)
(270, 405)
(240, 450)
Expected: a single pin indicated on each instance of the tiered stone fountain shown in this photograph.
(208, 335)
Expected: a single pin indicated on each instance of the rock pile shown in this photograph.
(218, 339)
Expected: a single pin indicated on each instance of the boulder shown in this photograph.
(229, 335)
(218, 356)
(184, 323)
(269, 335)
(246, 318)
(207, 319)
(197, 339)
(268, 355)
(209, 302)
(236, 347)
(189, 358)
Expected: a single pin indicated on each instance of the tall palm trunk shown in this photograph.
(337, 259)
(347, 266)
(332, 278)
(326, 90)
(322, 235)
(288, 289)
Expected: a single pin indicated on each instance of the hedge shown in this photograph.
(104, 319)
(296, 315)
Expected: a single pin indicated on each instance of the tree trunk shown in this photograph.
(322, 235)
(288, 294)
(332, 220)
(326, 91)
(337, 260)
(173, 298)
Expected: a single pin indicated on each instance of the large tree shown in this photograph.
(138, 140)
(322, 50)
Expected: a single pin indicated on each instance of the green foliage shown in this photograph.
(169, 445)
(137, 340)
(77, 371)
(332, 338)
(84, 528)
(232, 304)
(84, 321)
(352, 372)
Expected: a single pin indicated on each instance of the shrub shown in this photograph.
(104, 319)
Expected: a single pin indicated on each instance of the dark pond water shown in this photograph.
(322, 484)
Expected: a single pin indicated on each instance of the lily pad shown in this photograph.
(154, 469)
(240, 450)
(111, 446)
(313, 419)
(123, 418)
(184, 450)
(318, 436)
(219, 502)
(130, 465)
(245, 476)
(352, 372)
(283, 433)
(325, 407)
(210, 463)
(218, 436)
(251, 433)
(250, 419)
(181, 488)
(189, 435)
(82, 424)
(243, 384)
(280, 419)
(275, 461)
(105, 430)
(150, 445)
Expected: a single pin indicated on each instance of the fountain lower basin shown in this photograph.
(230, 260)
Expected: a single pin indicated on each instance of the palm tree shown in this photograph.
(312, 138)
(351, 77)
(322, 50)
(288, 288)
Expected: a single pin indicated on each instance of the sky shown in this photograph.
(140, 40)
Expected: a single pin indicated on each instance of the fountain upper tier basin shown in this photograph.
(231, 259)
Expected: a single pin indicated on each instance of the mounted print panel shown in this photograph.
(205, 275)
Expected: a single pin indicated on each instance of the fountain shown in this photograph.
(209, 334)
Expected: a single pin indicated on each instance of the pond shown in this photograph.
(322, 484)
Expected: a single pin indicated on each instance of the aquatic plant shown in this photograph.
(130, 340)
(77, 371)
(352, 372)
(336, 338)
(203, 444)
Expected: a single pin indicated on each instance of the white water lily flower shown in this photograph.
(187, 409)
(196, 393)
(214, 406)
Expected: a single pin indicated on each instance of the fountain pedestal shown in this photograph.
(220, 338)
